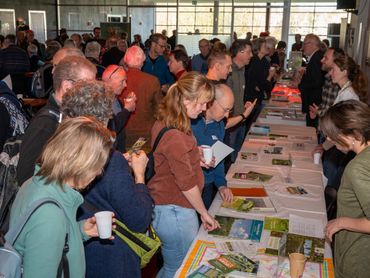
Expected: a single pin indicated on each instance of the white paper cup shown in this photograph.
(316, 158)
(207, 153)
(104, 223)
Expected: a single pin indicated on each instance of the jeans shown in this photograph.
(234, 137)
(176, 227)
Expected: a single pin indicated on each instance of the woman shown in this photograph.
(73, 157)
(178, 181)
(347, 125)
(116, 190)
(352, 82)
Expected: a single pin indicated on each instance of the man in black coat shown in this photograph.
(313, 77)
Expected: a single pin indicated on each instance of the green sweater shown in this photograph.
(42, 239)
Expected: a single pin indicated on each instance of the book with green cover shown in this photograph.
(252, 176)
(227, 263)
(205, 271)
(276, 224)
(240, 204)
(238, 228)
(282, 162)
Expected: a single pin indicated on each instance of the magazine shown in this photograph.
(249, 156)
(238, 228)
(273, 150)
(282, 162)
(276, 224)
(257, 191)
(234, 261)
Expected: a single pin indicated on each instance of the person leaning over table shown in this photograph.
(178, 181)
(62, 171)
(347, 125)
(209, 129)
(116, 190)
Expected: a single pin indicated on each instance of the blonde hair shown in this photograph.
(79, 147)
(191, 86)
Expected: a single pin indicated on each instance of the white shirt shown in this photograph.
(346, 93)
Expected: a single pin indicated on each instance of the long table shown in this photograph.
(295, 143)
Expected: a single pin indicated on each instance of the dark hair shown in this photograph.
(239, 45)
(281, 44)
(257, 44)
(2, 38)
(156, 37)
(180, 55)
(10, 38)
(358, 79)
(337, 52)
(96, 28)
(350, 117)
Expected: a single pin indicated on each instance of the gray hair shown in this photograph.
(32, 49)
(93, 50)
(134, 57)
(88, 98)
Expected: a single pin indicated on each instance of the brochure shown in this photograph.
(220, 151)
(282, 162)
(249, 191)
(273, 150)
(234, 261)
(252, 176)
(249, 204)
(249, 156)
(276, 224)
(205, 271)
(238, 228)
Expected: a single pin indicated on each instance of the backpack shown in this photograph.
(38, 87)
(9, 158)
(11, 260)
(18, 118)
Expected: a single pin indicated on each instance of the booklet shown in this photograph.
(273, 150)
(238, 228)
(220, 151)
(282, 162)
(260, 129)
(249, 156)
(249, 204)
(252, 176)
(249, 191)
(246, 247)
(276, 224)
(227, 263)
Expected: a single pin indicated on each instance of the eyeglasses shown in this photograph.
(113, 72)
(71, 80)
(161, 45)
(226, 110)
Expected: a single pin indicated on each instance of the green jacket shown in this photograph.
(42, 239)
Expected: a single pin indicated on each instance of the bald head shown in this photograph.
(134, 57)
(222, 104)
(66, 52)
(115, 77)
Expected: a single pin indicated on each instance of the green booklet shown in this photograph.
(276, 224)
(238, 228)
(227, 263)
(282, 162)
(246, 204)
(205, 271)
(252, 176)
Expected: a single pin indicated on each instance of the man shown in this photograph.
(148, 91)
(207, 131)
(13, 59)
(155, 63)
(97, 34)
(113, 56)
(115, 77)
(92, 53)
(199, 61)
(241, 53)
(297, 46)
(313, 76)
(219, 66)
(67, 70)
(178, 63)
(248, 37)
(173, 39)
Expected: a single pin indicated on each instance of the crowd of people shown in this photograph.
(105, 94)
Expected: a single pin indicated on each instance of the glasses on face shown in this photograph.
(161, 45)
(71, 80)
(113, 72)
(226, 110)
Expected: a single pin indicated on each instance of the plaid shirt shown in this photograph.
(329, 94)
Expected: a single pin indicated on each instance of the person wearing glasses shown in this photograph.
(67, 70)
(155, 63)
(115, 77)
(209, 129)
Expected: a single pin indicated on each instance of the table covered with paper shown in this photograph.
(278, 209)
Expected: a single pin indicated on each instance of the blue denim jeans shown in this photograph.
(176, 227)
(234, 137)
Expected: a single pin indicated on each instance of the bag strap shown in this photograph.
(120, 227)
(14, 232)
(159, 137)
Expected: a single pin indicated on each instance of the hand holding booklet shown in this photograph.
(220, 151)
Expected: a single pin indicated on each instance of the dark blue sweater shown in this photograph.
(116, 191)
(208, 134)
(159, 69)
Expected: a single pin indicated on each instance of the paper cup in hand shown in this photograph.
(207, 153)
(316, 158)
(296, 262)
(104, 223)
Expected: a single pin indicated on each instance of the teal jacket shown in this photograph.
(42, 239)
